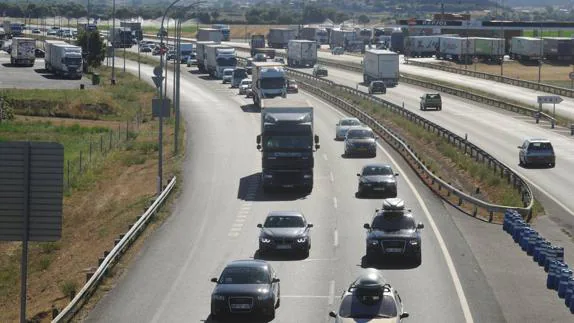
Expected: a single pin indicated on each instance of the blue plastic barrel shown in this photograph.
(563, 286)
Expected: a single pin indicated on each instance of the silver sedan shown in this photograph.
(343, 126)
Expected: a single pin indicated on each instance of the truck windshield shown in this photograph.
(73, 61)
(275, 143)
(227, 61)
(273, 83)
(239, 74)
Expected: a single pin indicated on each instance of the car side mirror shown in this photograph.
(420, 226)
(259, 225)
(214, 280)
(275, 280)
(404, 315)
(309, 225)
(519, 147)
(258, 139)
(333, 314)
(367, 226)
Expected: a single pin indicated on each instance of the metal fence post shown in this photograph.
(90, 157)
(80, 161)
(68, 173)
(111, 135)
(101, 143)
(127, 129)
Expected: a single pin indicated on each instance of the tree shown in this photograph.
(95, 55)
(363, 19)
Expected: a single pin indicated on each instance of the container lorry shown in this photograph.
(287, 143)
(301, 53)
(135, 27)
(280, 37)
(63, 59)
(489, 49)
(397, 41)
(557, 48)
(23, 51)
(257, 41)
(218, 58)
(269, 81)
(460, 49)
(121, 37)
(13, 29)
(225, 31)
(381, 65)
(341, 38)
(421, 46)
(526, 49)
(209, 34)
(200, 54)
(315, 34)
(185, 51)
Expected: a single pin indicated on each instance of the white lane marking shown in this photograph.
(448, 259)
(245, 206)
(240, 219)
(237, 225)
(325, 157)
(336, 238)
(335, 205)
(233, 234)
(304, 296)
(235, 229)
(320, 259)
(331, 292)
(331, 176)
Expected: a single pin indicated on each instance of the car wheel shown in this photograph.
(552, 165)
(305, 253)
(271, 315)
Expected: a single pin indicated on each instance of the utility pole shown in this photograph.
(113, 47)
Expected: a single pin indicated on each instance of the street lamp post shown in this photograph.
(113, 46)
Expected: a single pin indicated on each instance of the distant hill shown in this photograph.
(535, 3)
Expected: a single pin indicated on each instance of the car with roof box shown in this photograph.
(393, 233)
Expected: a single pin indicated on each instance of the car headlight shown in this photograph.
(372, 242)
(265, 240)
(302, 239)
(414, 242)
(218, 297)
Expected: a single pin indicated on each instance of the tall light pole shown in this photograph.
(113, 46)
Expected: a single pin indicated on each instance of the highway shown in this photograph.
(215, 221)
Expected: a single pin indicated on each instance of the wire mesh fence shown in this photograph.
(96, 148)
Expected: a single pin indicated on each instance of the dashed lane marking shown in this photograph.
(336, 238)
(331, 292)
(331, 177)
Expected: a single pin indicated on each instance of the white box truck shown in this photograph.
(269, 81)
(200, 54)
(218, 58)
(459, 49)
(209, 34)
(280, 37)
(301, 53)
(63, 59)
(526, 48)
(23, 51)
(381, 65)
(421, 46)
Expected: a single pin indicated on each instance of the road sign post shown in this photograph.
(542, 99)
(31, 193)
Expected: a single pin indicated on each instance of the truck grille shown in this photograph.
(240, 304)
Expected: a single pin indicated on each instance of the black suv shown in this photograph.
(393, 232)
(246, 287)
(377, 87)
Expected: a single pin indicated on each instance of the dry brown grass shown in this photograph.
(243, 31)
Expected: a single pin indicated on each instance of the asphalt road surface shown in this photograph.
(215, 222)
(496, 131)
(35, 77)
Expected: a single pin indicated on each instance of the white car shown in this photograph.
(227, 75)
(343, 126)
(370, 298)
(244, 86)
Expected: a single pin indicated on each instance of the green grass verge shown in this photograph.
(187, 29)
(497, 189)
(548, 33)
(104, 102)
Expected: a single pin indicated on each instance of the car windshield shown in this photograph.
(433, 96)
(292, 82)
(359, 134)
(393, 221)
(227, 73)
(273, 83)
(288, 142)
(280, 221)
(246, 82)
(377, 170)
(540, 146)
(350, 122)
(352, 307)
(240, 74)
(244, 275)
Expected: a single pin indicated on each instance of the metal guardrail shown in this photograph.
(111, 259)
(498, 78)
(402, 147)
